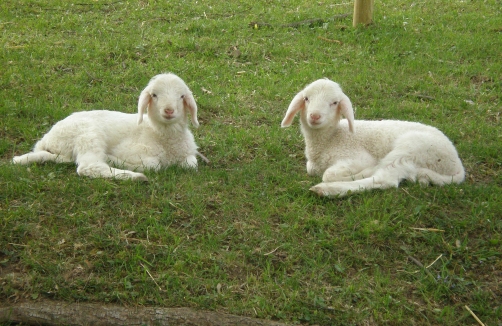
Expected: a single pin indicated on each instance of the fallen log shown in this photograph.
(58, 313)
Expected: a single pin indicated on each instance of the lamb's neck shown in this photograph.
(319, 138)
(167, 130)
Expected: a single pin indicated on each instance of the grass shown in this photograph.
(244, 235)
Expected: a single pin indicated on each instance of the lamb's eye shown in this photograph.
(182, 96)
(154, 95)
(335, 102)
(306, 99)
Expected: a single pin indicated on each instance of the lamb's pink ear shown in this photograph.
(345, 108)
(297, 104)
(189, 102)
(144, 101)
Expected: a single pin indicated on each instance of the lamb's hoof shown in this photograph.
(330, 191)
(318, 191)
(140, 177)
(16, 160)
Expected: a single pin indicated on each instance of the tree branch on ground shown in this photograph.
(58, 313)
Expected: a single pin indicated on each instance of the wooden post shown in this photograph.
(363, 12)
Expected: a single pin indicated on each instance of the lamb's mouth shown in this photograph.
(315, 124)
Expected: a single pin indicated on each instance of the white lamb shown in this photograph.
(92, 139)
(379, 155)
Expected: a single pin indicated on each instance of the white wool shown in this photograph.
(357, 155)
(132, 142)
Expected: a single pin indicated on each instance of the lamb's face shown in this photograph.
(167, 108)
(321, 101)
(321, 104)
(168, 100)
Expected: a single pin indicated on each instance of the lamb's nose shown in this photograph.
(169, 111)
(315, 116)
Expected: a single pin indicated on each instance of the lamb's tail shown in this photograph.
(205, 159)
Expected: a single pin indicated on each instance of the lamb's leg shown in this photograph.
(434, 158)
(387, 175)
(94, 166)
(340, 189)
(359, 167)
(311, 169)
(353, 177)
(427, 176)
(39, 157)
(190, 162)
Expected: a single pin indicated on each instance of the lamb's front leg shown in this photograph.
(190, 162)
(94, 165)
(40, 156)
(311, 169)
(103, 170)
(153, 163)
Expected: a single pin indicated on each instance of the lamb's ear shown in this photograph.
(189, 102)
(144, 101)
(297, 104)
(345, 107)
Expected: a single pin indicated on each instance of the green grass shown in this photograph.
(244, 235)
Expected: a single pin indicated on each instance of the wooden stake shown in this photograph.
(363, 12)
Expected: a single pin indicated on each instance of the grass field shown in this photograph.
(244, 235)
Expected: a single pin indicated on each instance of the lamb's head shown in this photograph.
(321, 105)
(168, 100)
